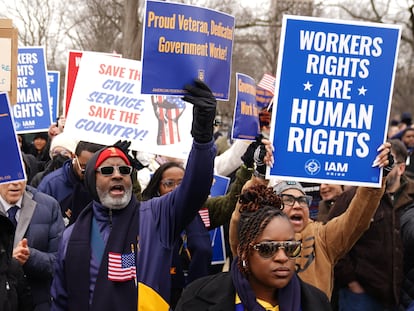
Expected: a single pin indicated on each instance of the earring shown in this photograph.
(244, 264)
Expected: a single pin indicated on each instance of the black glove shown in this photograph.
(204, 110)
(248, 156)
(260, 165)
(124, 146)
(390, 166)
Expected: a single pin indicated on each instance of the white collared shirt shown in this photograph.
(7, 206)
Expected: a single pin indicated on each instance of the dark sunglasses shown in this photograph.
(109, 170)
(268, 249)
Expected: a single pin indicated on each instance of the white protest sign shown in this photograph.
(107, 106)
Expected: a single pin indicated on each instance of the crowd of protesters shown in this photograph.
(89, 230)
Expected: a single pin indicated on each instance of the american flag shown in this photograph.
(121, 267)
(268, 83)
(205, 217)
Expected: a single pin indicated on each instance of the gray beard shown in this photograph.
(115, 203)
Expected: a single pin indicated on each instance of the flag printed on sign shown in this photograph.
(121, 267)
(268, 83)
(168, 109)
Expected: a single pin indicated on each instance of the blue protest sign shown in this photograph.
(12, 168)
(53, 80)
(183, 42)
(263, 97)
(32, 111)
(332, 105)
(246, 114)
(219, 187)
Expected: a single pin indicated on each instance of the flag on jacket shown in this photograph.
(205, 217)
(268, 83)
(121, 267)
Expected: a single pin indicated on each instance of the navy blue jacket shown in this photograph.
(67, 189)
(41, 223)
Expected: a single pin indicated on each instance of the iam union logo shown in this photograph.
(312, 167)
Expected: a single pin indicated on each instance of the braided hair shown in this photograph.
(258, 206)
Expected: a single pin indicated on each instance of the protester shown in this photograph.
(62, 144)
(328, 193)
(66, 183)
(15, 294)
(30, 161)
(116, 225)
(371, 274)
(407, 137)
(39, 148)
(262, 276)
(62, 148)
(39, 228)
(192, 250)
(324, 244)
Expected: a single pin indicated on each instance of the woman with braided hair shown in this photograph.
(262, 276)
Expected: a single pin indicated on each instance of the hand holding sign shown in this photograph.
(204, 111)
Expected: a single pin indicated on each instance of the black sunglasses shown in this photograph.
(268, 249)
(109, 170)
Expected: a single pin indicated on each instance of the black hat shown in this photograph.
(406, 118)
(42, 135)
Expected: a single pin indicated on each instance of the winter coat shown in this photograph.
(160, 221)
(376, 259)
(217, 292)
(41, 223)
(15, 294)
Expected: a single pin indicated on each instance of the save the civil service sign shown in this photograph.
(331, 107)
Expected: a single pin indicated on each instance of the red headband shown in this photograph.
(109, 153)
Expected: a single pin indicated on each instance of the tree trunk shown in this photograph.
(132, 31)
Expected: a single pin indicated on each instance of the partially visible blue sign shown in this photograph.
(219, 187)
(246, 114)
(332, 105)
(32, 111)
(183, 42)
(263, 97)
(12, 168)
(54, 79)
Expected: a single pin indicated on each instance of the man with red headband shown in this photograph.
(117, 254)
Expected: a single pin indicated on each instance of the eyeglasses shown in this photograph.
(109, 170)
(81, 169)
(169, 183)
(268, 249)
(289, 200)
